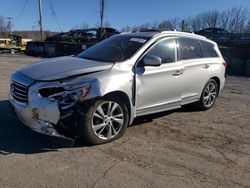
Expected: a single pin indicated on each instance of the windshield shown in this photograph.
(114, 49)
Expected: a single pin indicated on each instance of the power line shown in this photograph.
(54, 14)
(21, 12)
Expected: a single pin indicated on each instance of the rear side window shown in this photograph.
(165, 49)
(208, 49)
(189, 49)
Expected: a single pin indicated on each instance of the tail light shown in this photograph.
(225, 64)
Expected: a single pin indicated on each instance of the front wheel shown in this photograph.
(105, 121)
(209, 95)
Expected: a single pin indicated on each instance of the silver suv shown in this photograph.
(98, 93)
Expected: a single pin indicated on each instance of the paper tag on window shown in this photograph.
(138, 40)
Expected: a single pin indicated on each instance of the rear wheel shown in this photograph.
(105, 121)
(209, 95)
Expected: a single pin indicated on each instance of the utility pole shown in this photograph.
(102, 9)
(9, 24)
(41, 18)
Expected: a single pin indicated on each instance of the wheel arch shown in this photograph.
(215, 78)
(122, 96)
(217, 81)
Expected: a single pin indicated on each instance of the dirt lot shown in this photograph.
(182, 148)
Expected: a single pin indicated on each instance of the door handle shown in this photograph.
(177, 73)
(206, 66)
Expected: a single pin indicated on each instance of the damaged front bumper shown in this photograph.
(39, 113)
(43, 106)
(40, 117)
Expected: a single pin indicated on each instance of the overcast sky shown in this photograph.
(119, 13)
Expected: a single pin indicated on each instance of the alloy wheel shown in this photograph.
(107, 120)
(210, 94)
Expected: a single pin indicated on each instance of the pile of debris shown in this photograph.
(69, 43)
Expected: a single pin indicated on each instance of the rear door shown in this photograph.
(192, 54)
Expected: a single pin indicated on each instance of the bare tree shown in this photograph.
(166, 26)
(107, 24)
(211, 18)
(155, 25)
(234, 20)
(3, 25)
(247, 28)
(238, 17)
(176, 23)
(81, 26)
(126, 29)
(204, 20)
(84, 25)
(195, 23)
(223, 20)
(145, 26)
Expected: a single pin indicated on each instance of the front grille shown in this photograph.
(19, 92)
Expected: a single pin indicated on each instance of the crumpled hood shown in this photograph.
(62, 67)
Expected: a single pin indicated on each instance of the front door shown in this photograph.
(159, 88)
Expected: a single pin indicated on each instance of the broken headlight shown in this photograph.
(67, 94)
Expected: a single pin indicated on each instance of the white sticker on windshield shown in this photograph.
(138, 40)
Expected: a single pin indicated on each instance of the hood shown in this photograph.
(58, 68)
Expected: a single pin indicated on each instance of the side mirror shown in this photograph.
(151, 60)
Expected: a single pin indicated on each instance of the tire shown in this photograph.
(105, 120)
(12, 51)
(209, 95)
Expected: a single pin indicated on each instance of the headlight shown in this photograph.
(67, 93)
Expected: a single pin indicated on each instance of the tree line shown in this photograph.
(234, 20)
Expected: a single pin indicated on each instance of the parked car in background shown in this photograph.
(98, 93)
(211, 31)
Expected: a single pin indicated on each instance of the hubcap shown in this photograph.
(210, 94)
(107, 120)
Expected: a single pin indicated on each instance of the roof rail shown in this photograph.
(183, 33)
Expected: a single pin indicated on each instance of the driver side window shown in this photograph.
(165, 49)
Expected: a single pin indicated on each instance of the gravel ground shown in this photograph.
(181, 148)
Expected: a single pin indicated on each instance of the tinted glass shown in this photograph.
(208, 30)
(222, 31)
(114, 49)
(165, 49)
(208, 49)
(189, 49)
